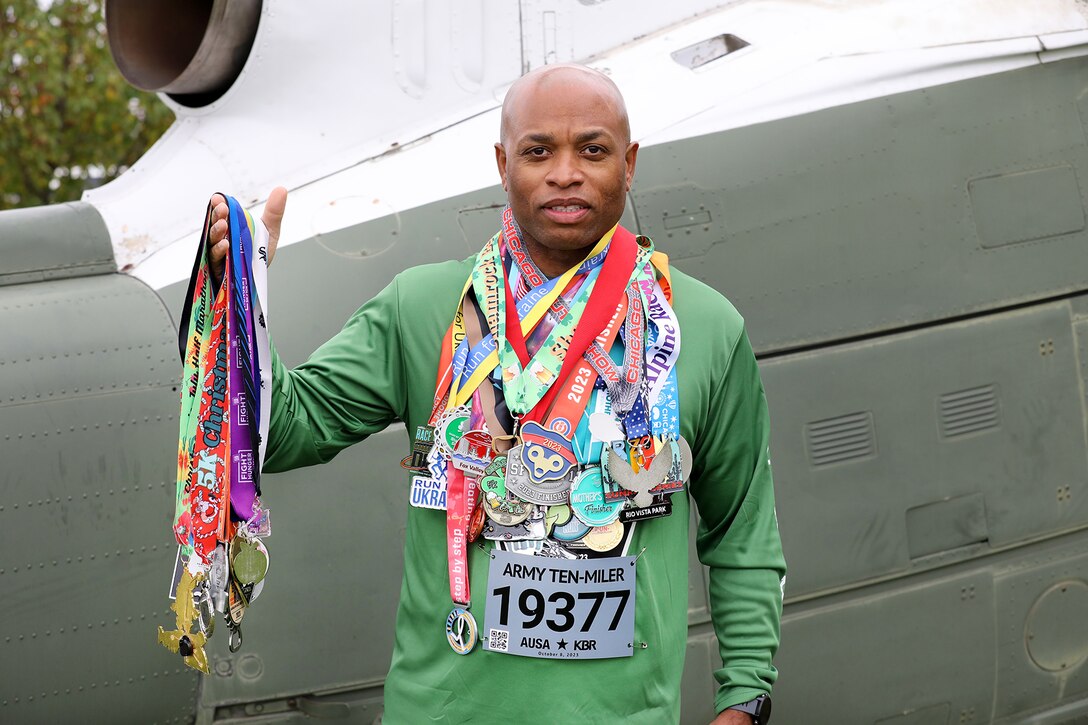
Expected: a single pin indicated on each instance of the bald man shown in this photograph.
(566, 436)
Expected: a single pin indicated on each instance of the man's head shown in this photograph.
(566, 160)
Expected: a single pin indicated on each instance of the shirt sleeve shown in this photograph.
(351, 387)
(738, 538)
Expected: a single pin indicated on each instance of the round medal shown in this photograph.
(588, 501)
(507, 510)
(461, 630)
(604, 538)
(449, 428)
(571, 530)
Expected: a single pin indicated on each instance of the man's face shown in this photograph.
(565, 162)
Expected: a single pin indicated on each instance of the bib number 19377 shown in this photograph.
(562, 609)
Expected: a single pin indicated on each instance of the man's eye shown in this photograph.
(594, 149)
(536, 151)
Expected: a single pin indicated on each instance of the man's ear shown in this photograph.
(500, 160)
(631, 157)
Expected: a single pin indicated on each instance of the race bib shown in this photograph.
(560, 608)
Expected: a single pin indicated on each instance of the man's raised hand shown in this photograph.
(219, 243)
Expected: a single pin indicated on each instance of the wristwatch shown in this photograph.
(759, 709)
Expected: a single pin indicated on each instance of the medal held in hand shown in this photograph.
(225, 408)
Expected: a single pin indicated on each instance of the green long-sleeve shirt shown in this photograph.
(381, 367)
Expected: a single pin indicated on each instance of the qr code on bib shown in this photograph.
(499, 640)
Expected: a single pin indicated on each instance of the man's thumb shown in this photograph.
(273, 217)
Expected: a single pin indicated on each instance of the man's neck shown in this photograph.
(554, 262)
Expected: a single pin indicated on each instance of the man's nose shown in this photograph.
(565, 170)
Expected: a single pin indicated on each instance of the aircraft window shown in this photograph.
(709, 50)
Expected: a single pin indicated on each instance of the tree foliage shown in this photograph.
(68, 120)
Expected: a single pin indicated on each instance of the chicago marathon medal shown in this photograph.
(541, 469)
(521, 483)
(547, 455)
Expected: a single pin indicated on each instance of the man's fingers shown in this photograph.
(273, 217)
(218, 230)
(218, 253)
(219, 244)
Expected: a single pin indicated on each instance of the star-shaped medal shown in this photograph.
(183, 640)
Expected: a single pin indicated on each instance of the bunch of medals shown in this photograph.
(225, 405)
(560, 452)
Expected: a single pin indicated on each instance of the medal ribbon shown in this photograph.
(224, 401)
(615, 273)
(532, 396)
(525, 384)
(469, 358)
(244, 400)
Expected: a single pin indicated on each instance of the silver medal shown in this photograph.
(461, 631)
(639, 482)
(521, 483)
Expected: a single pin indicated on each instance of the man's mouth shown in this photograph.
(566, 210)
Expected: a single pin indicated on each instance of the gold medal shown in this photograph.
(248, 560)
(604, 538)
(189, 644)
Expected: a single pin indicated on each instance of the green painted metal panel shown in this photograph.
(885, 213)
(1032, 625)
(53, 242)
(931, 442)
(870, 672)
(87, 414)
(946, 525)
(1026, 206)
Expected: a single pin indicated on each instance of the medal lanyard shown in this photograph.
(469, 358)
(602, 306)
(244, 399)
(197, 445)
(598, 309)
(451, 392)
(528, 274)
(662, 353)
(221, 408)
(623, 383)
(206, 481)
